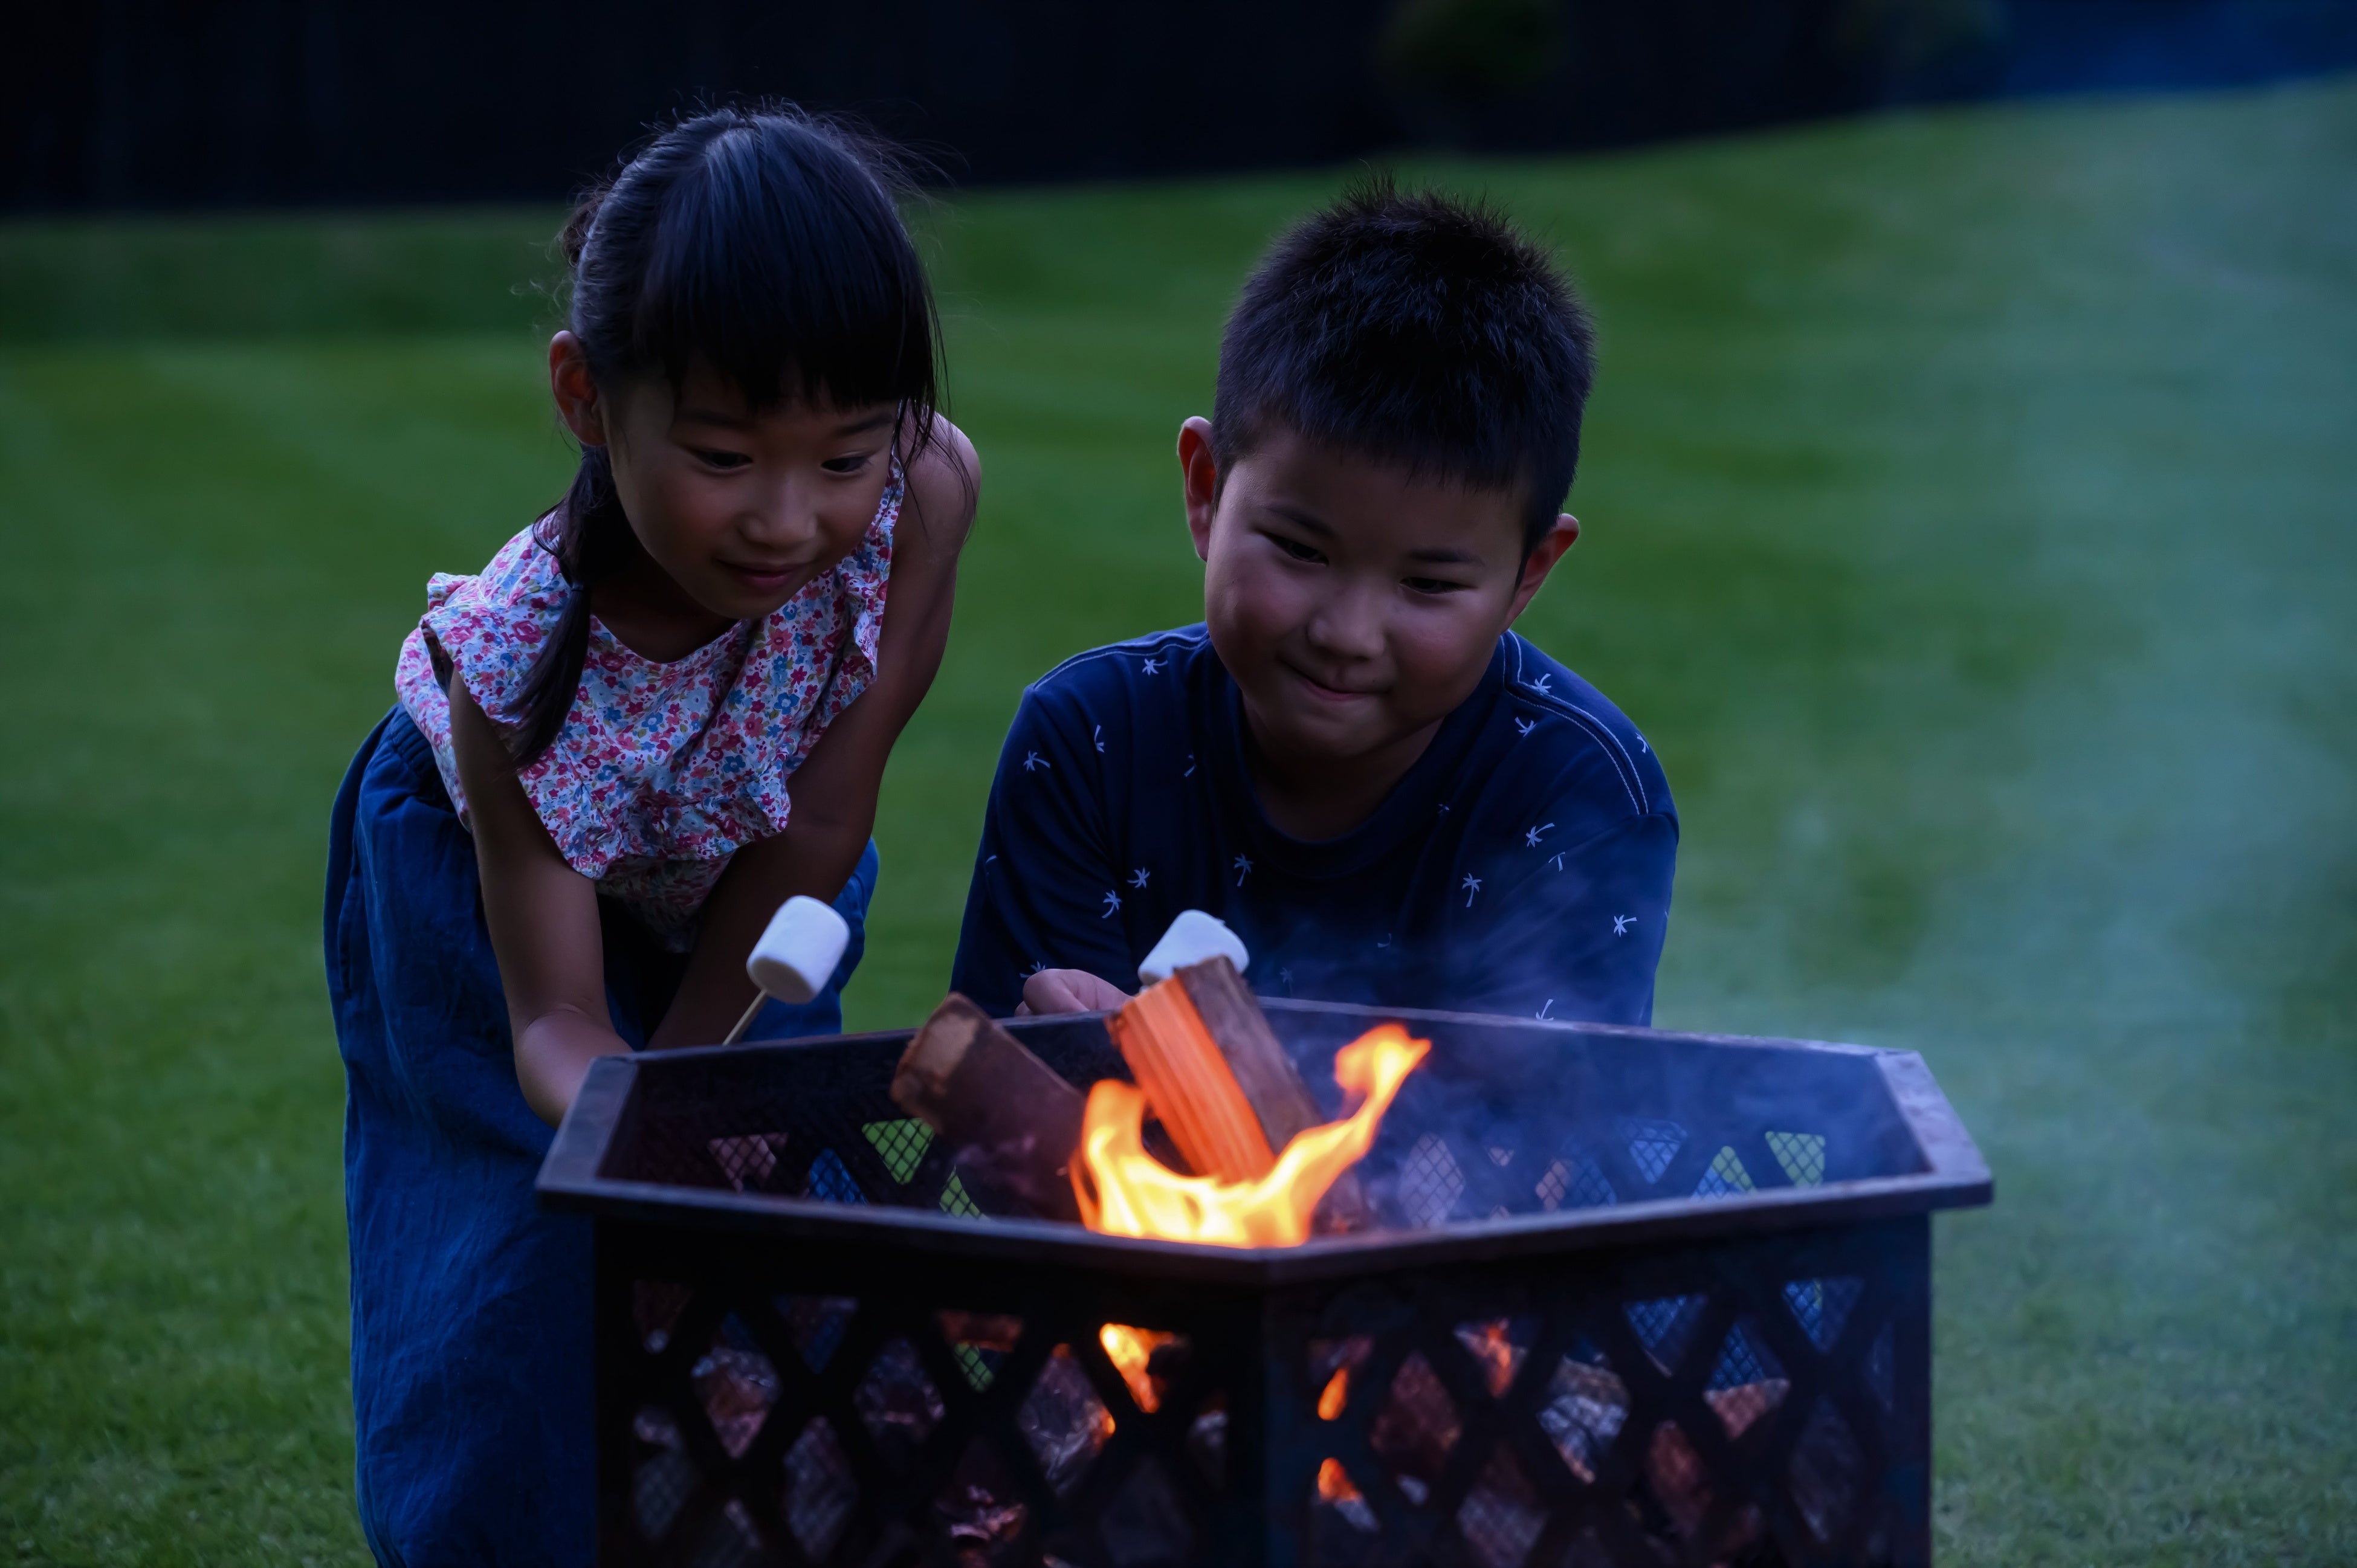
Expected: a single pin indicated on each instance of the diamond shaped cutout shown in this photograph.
(1825, 1466)
(1502, 1516)
(1726, 1176)
(1207, 1441)
(738, 1385)
(665, 1480)
(1674, 1473)
(1587, 1406)
(1145, 1523)
(655, 1307)
(830, 1180)
(820, 1490)
(1430, 1182)
(749, 1161)
(1415, 1428)
(1145, 1358)
(899, 1403)
(1821, 1306)
(956, 1200)
(1664, 1325)
(981, 1507)
(1802, 1155)
(1747, 1382)
(1652, 1145)
(902, 1144)
(1497, 1346)
(1063, 1421)
(817, 1324)
(729, 1540)
(1568, 1185)
(980, 1342)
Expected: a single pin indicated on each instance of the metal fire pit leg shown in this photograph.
(618, 1394)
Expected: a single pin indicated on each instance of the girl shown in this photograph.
(661, 710)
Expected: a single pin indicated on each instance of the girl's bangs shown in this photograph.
(791, 274)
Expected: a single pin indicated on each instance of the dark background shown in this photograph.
(147, 103)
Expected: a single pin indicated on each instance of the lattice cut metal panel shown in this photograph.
(829, 1428)
(816, 1346)
(1761, 1403)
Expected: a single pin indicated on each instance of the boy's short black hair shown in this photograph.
(1417, 330)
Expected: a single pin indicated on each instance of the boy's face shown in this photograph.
(1354, 606)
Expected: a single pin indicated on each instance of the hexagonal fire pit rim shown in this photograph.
(1951, 1174)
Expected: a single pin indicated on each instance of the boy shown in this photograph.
(1391, 797)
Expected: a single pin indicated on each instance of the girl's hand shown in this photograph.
(834, 788)
(1069, 990)
(543, 916)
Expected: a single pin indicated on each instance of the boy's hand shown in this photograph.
(1069, 990)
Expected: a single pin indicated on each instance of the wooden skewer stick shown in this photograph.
(795, 957)
(745, 1023)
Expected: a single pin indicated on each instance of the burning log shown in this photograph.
(1125, 1192)
(1187, 1080)
(1210, 1067)
(1013, 1119)
(1213, 1073)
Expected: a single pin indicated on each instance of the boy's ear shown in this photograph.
(1551, 547)
(577, 395)
(1199, 472)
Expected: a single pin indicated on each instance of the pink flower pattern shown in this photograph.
(662, 771)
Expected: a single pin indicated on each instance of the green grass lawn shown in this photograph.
(1968, 500)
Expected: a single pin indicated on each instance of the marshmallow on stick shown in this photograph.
(1192, 938)
(795, 957)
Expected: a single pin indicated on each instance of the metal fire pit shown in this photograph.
(1634, 1297)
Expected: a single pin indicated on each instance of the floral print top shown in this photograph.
(662, 771)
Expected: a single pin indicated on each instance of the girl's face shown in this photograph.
(740, 509)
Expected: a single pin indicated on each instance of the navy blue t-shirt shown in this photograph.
(1522, 867)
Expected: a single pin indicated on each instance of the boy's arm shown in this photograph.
(1573, 933)
(834, 788)
(1041, 876)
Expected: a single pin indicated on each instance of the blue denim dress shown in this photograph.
(471, 1370)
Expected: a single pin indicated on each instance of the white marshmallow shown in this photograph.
(796, 956)
(1192, 938)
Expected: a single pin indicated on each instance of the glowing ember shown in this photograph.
(1124, 1191)
(1338, 1389)
(1496, 1353)
(1334, 1484)
(1131, 1349)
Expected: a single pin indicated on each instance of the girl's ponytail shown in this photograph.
(589, 537)
(767, 244)
(591, 540)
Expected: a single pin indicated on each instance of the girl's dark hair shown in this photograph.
(767, 243)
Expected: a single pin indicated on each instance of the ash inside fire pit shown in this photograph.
(1623, 1297)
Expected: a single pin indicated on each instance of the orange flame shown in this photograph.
(1337, 1394)
(1495, 1351)
(1130, 1350)
(1124, 1191)
(1334, 1484)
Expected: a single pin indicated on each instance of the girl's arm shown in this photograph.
(834, 788)
(543, 916)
